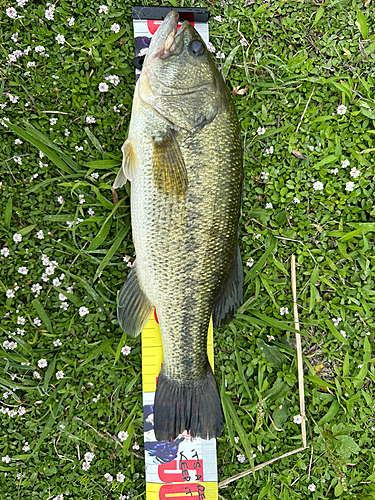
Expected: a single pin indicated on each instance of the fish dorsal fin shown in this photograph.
(169, 170)
(128, 165)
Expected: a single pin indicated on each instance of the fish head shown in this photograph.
(179, 78)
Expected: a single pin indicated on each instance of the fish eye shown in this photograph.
(196, 48)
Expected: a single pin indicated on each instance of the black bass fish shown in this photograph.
(183, 158)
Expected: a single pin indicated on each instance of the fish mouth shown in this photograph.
(164, 38)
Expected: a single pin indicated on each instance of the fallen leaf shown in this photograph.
(298, 154)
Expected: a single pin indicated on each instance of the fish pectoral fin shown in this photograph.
(133, 307)
(169, 171)
(230, 297)
(128, 165)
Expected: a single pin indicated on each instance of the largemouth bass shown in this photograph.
(184, 160)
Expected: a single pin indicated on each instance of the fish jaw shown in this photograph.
(163, 38)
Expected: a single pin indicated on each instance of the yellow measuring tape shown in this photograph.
(183, 468)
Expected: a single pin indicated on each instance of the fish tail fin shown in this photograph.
(193, 407)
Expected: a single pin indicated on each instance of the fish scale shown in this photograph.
(186, 182)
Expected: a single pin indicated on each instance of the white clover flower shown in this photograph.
(297, 419)
(126, 350)
(5, 251)
(241, 458)
(66, 132)
(62, 296)
(83, 311)
(210, 47)
(57, 343)
(103, 9)
(71, 21)
(14, 37)
(264, 175)
(49, 14)
(103, 87)
(341, 110)
(60, 199)
(108, 477)
(21, 3)
(89, 457)
(220, 55)
(218, 19)
(42, 363)
(53, 121)
(345, 163)
(269, 206)
(64, 305)
(96, 399)
(17, 159)
(26, 446)
(6, 459)
(11, 12)
(114, 79)
(10, 294)
(270, 150)
(284, 310)
(40, 235)
(336, 321)
(60, 39)
(45, 277)
(36, 374)
(40, 49)
(90, 119)
(135, 446)
(21, 411)
(120, 477)
(50, 270)
(354, 172)
(250, 262)
(343, 333)
(123, 435)
(95, 175)
(78, 148)
(91, 212)
(21, 320)
(86, 466)
(349, 186)
(115, 27)
(318, 186)
(81, 199)
(296, 200)
(56, 282)
(311, 487)
(261, 130)
(59, 375)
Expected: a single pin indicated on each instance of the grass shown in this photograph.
(290, 67)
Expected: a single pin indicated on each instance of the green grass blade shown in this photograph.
(26, 230)
(42, 147)
(242, 375)
(102, 235)
(50, 371)
(42, 314)
(229, 60)
(227, 419)
(240, 430)
(119, 347)
(73, 298)
(8, 214)
(94, 141)
(94, 295)
(103, 164)
(94, 353)
(120, 236)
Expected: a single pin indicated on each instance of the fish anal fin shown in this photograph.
(133, 307)
(230, 297)
(128, 165)
(169, 171)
